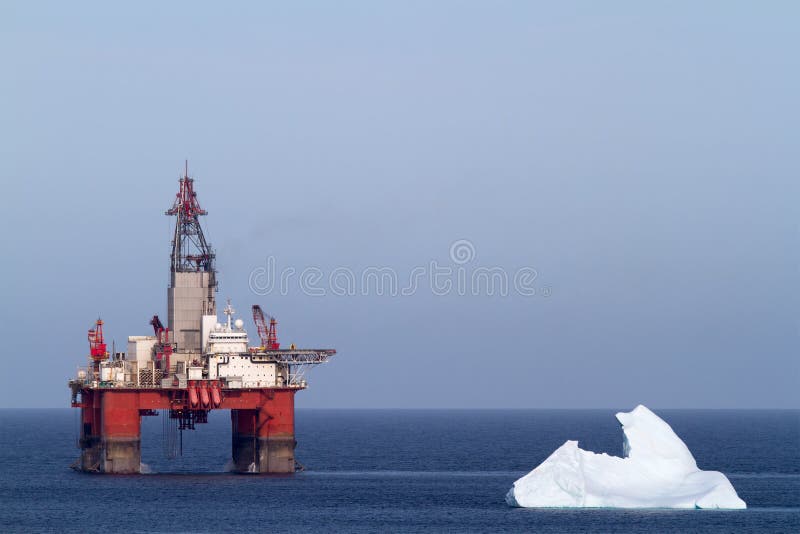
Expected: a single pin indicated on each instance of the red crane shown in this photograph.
(163, 346)
(97, 345)
(268, 334)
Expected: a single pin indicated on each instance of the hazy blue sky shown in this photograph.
(641, 156)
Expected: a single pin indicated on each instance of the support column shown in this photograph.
(244, 449)
(263, 438)
(120, 439)
(90, 432)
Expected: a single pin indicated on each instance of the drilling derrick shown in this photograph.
(193, 279)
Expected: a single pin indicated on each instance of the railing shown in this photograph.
(295, 356)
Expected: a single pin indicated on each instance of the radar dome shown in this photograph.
(239, 324)
(218, 327)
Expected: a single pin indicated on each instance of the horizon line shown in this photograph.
(374, 409)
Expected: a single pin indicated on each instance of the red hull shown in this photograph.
(262, 423)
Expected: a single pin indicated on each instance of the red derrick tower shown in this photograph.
(190, 250)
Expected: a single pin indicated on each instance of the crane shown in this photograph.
(268, 334)
(163, 346)
(97, 347)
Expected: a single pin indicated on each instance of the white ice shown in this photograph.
(657, 471)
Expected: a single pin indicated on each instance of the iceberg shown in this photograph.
(657, 471)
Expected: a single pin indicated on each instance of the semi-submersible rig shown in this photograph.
(191, 366)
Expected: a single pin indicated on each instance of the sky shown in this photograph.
(630, 169)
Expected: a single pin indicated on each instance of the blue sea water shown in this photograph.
(385, 470)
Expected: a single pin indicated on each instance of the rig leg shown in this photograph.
(263, 439)
(110, 433)
(89, 442)
(244, 449)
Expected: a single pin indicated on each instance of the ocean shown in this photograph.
(386, 471)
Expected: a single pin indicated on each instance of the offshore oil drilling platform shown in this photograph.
(194, 364)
